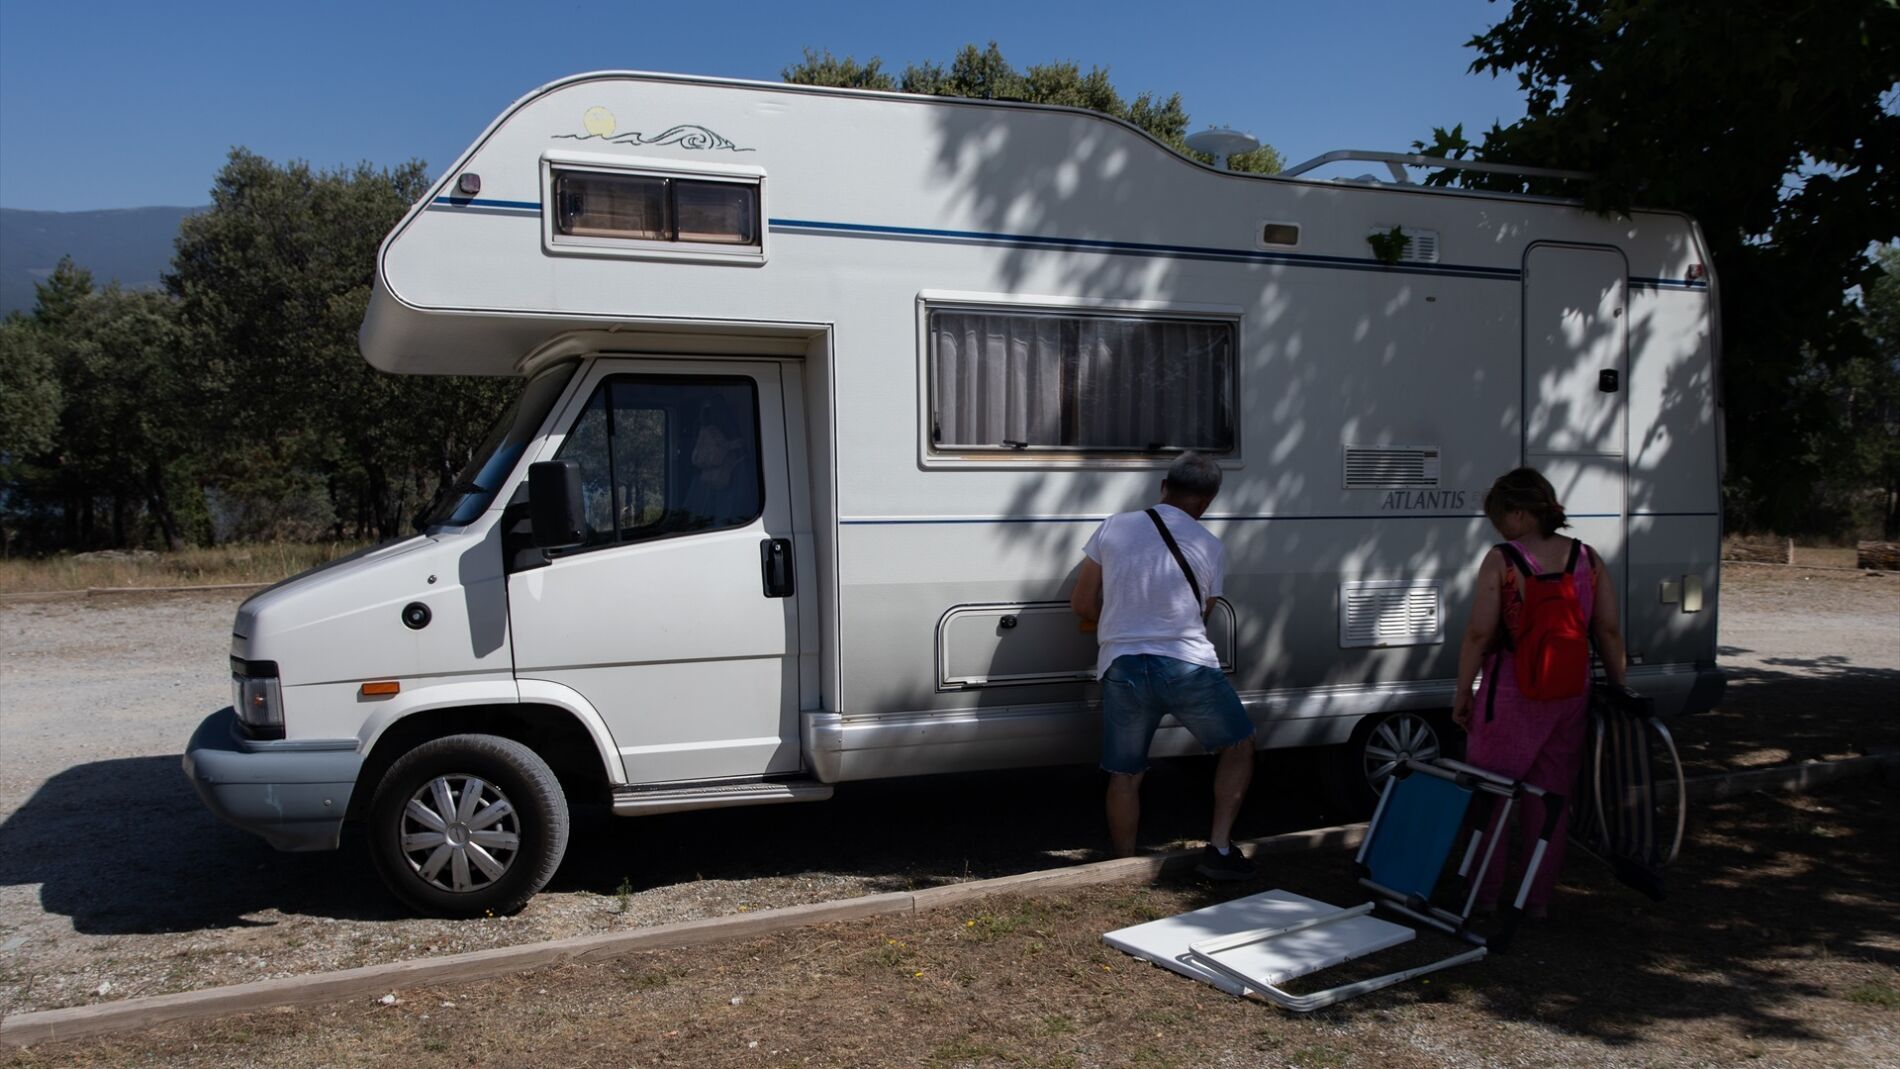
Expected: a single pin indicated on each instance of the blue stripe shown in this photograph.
(1136, 248)
(1669, 284)
(1122, 248)
(477, 202)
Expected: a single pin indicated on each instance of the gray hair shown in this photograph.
(1195, 475)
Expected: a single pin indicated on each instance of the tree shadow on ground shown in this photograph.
(925, 831)
(125, 846)
(1767, 882)
(1811, 707)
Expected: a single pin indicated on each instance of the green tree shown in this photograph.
(55, 299)
(1875, 389)
(1777, 127)
(822, 68)
(127, 433)
(272, 283)
(983, 74)
(29, 404)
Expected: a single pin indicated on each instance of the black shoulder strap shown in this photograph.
(1576, 545)
(1168, 537)
(1517, 559)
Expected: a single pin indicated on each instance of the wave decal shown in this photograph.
(685, 135)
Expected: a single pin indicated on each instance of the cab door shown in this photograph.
(678, 618)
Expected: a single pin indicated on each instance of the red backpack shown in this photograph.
(1550, 640)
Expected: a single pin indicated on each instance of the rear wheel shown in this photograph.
(1378, 745)
(468, 825)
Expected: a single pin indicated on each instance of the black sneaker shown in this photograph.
(1233, 865)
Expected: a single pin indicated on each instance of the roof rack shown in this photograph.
(1398, 161)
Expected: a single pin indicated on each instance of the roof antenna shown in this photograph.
(1221, 142)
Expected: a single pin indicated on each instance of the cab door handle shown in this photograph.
(775, 561)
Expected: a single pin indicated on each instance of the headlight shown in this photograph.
(258, 698)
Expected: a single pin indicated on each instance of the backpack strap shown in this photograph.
(1513, 555)
(1491, 688)
(1576, 546)
(1167, 536)
(1506, 642)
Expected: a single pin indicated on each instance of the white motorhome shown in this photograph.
(823, 392)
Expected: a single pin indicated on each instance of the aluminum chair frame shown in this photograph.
(1481, 849)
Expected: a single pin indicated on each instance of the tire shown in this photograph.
(1378, 743)
(447, 868)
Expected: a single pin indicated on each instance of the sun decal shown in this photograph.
(599, 122)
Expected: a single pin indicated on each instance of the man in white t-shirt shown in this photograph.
(1148, 581)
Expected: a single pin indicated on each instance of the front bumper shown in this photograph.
(293, 793)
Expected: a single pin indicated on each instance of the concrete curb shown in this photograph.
(84, 1022)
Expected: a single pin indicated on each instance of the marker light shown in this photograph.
(382, 689)
(469, 184)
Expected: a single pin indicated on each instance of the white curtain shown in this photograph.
(1002, 380)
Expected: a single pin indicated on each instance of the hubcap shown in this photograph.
(460, 833)
(1395, 739)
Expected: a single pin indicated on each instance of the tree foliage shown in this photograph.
(234, 404)
(983, 74)
(1873, 387)
(1777, 127)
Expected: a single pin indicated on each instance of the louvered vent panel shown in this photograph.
(1421, 246)
(1390, 467)
(1390, 612)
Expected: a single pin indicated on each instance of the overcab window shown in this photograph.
(1029, 382)
(655, 208)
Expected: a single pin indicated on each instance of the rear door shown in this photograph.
(1576, 363)
(678, 619)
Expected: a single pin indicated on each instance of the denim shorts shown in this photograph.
(1140, 688)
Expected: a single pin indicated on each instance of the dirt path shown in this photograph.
(115, 882)
(1780, 948)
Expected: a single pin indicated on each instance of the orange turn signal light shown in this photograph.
(381, 690)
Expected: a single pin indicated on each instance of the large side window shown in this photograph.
(667, 455)
(1011, 381)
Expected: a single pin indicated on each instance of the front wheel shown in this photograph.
(1378, 745)
(468, 826)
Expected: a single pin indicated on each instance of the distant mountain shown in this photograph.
(132, 245)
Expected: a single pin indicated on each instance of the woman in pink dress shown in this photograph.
(1538, 742)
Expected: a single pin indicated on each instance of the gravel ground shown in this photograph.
(115, 882)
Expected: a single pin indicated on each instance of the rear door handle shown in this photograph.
(775, 561)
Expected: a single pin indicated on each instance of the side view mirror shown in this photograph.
(554, 504)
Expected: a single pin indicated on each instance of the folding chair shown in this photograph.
(1408, 846)
(1619, 804)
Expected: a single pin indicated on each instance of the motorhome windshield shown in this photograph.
(458, 502)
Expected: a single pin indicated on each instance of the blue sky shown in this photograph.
(114, 105)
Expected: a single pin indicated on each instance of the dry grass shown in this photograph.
(238, 563)
(1778, 947)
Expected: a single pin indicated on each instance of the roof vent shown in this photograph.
(1391, 467)
(1421, 246)
(1390, 612)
